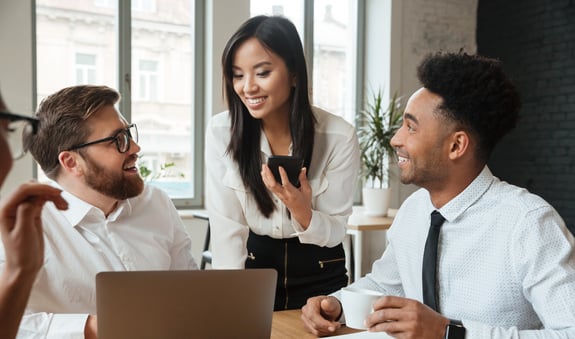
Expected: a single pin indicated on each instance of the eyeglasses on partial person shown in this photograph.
(18, 126)
(121, 139)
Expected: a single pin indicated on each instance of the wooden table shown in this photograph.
(288, 324)
(358, 223)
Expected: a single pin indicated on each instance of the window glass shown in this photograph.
(334, 49)
(76, 43)
(144, 6)
(334, 57)
(85, 68)
(162, 59)
(291, 9)
(147, 84)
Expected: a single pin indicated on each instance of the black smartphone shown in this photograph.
(292, 165)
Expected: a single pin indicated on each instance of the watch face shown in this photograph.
(455, 331)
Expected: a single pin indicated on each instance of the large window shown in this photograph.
(333, 65)
(148, 51)
(154, 74)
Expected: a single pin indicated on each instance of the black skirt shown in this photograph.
(304, 270)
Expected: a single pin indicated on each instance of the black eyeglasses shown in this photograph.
(122, 139)
(18, 126)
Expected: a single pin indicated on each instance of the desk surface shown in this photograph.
(361, 222)
(288, 324)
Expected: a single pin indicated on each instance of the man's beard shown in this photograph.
(114, 185)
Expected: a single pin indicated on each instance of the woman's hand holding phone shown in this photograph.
(291, 165)
(296, 199)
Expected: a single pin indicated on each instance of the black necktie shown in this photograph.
(430, 261)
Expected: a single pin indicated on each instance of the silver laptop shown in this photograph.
(185, 304)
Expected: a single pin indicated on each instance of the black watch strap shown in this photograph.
(455, 330)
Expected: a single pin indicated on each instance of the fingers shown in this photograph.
(330, 308)
(284, 177)
(383, 316)
(304, 183)
(390, 302)
(318, 320)
(403, 317)
(269, 179)
(32, 192)
(267, 176)
(271, 183)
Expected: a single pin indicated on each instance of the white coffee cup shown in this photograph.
(357, 305)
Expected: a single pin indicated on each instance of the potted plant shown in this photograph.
(376, 126)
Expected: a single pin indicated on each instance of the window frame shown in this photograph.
(126, 79)
(200, 100)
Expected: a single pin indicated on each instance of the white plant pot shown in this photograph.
(376, 201)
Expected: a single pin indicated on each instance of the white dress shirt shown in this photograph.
(142, 233)
(506, 265)
(233, 210)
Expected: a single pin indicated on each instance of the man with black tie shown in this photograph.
(469, 256)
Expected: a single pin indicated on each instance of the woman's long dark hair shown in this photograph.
(278, 35)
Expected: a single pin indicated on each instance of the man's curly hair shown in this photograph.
(476, 94)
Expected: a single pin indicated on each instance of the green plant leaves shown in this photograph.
(376, 126)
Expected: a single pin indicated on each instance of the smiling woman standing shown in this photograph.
(256, 221)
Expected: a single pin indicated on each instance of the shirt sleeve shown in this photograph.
(48, 325)
(333, 199)
(384, 276)
(543, 258)
(181, 250)
(52, 326)
(229, 230)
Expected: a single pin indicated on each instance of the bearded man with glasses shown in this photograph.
(20, 225)
(114, 223)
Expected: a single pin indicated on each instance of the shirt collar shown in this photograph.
(78, 209)
(458, 205)
(265, 146)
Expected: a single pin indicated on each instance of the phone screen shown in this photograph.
(292, 165)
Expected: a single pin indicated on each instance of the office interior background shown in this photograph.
(164, 57)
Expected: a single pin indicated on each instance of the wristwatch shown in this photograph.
(454, 330)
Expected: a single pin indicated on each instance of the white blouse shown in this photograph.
(233, 210)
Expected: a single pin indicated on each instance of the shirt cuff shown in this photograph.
(67, 326)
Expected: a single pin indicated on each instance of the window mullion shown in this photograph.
(360, 56)
(199, 100)
(124, 40)
(308, 11)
